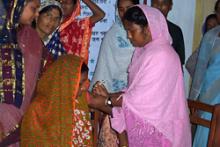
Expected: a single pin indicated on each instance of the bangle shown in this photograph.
(119, 97)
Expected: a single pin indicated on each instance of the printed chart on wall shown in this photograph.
(99, 29)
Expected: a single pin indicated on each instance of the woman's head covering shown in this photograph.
(157, 23)
(207, 19)
(75, 13)
(12, 75)
(46, 3)
(13, 11)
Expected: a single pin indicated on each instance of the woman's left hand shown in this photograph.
(96, 101)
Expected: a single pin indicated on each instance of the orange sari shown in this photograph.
(51, 119)
(75, 34)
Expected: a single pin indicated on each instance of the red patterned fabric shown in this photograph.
(76, 37)
(75, 34)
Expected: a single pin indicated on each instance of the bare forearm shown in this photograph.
(106, 109)
(98, 13)
(114, 95)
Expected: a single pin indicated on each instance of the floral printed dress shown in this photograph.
(82, 130)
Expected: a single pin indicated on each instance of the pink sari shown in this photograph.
(154, 108)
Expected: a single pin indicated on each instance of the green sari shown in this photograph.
(54, 117)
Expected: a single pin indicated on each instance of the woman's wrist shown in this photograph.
(108, 102)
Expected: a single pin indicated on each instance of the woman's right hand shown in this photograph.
(99, 89)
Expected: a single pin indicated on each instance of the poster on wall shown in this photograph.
(98, 32)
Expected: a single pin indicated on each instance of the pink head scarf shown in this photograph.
(155, 92)
(157, 24)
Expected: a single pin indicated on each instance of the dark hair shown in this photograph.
(136, 15)
(74, 1)
(135, 2)
(216, 5)
(165, 1)
(84, 68)
(48, 9)
(211, 16)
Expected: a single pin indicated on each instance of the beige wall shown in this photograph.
(203, 8)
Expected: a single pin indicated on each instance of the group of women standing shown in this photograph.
(44, 73)
(29, 53)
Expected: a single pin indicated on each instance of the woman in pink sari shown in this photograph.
(152, 110)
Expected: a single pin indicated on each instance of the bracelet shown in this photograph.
(119, 97)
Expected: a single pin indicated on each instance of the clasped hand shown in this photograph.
(98, 96)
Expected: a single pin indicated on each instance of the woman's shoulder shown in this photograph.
(111, 33)
(26, 29)
(166, 53)
(113, 29)
(212, 33)
(29, 39)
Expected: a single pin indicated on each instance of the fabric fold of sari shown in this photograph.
(48, 120)
(12, 62)
(12, 85)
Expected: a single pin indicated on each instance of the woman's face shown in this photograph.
(82, 85)
(68, 7)
(30, 12)
(211, 23)
(138, 35)
(123, 5)
(47, 22)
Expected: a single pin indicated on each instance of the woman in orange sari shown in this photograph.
(59, 115)
(75, 33)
